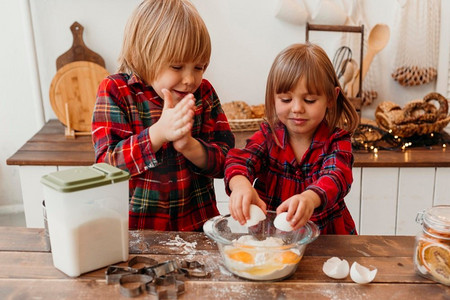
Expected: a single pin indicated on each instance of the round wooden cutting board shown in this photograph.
(73, 90)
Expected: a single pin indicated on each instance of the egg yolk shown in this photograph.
(241, 256)
(288, 257)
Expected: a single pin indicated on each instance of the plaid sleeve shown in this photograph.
(114, 138)
(214, 131)
(246, 161)
(335, 176)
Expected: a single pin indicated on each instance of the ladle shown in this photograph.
(377, 40)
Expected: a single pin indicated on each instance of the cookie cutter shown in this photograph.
(163, 268)
(166, 287)
(131, 279)
(147, 262)
(194, 269)
(114, 273)
(158, 279)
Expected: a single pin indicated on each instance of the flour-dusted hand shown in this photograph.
(299, 208)
(243, 194)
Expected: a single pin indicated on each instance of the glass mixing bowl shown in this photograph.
(260, 252)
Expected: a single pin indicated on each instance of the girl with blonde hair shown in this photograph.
(300, 161)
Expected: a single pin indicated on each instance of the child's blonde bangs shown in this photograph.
(163, 32)
(189, 41)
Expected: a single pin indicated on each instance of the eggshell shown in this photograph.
(336, 268)
(256, 215)
(281, 223)
(361, 274)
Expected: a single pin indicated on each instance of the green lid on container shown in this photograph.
(82, 178)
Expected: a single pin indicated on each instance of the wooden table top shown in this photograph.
(27, 270)
(49, 147)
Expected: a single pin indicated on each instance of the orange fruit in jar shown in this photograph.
(242, 256)
(436, 259)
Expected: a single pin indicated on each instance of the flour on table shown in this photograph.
(187, 247)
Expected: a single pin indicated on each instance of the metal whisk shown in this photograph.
(341, 57)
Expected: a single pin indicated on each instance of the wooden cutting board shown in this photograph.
(73, 92)
(78, 51)
(73, 89)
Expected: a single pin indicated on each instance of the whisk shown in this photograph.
(341, 57)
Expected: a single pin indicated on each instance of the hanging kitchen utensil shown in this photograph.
(350, 68)
(417, 50)
(74, 87)
(78, 51)
(378, 39)
(353, 85)
(341, 57)
(371, 80)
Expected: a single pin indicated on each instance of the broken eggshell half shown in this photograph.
(361, 274)
(336, 268)
(256, 215)
(281, 223)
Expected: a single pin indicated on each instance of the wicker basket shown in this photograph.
(407, 130)
(418, 117)
(245, 124)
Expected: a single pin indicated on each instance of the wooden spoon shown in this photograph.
(377, 40)
(353, 85)
(348, 73)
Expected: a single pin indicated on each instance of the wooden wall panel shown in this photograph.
(32, 193)
(378, 201)
(353, 198)
(442, 187)
(415, 193)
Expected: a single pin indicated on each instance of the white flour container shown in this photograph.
(87, 214)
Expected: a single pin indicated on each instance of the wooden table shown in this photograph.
(27, 270)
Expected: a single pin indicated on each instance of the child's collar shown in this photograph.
(134, 79)
(320, 135)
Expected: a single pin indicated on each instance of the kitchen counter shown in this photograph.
(28, 273)
(394, 185)
(50, 147)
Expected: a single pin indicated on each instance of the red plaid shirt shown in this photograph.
(326, 168)
(167, 191)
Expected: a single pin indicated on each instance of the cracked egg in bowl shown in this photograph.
(259, 252)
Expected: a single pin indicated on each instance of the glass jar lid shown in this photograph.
(437, 219)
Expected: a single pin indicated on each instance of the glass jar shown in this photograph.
(432, 247)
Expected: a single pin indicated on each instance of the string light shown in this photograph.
(372, 139)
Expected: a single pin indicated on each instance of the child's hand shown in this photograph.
(176, 120)
(183, 142)
(243, 194)
(299, 208)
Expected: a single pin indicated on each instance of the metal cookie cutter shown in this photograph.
(147, 262)
(194, 269)
(137, 284)
(166, 287)
(114, 273)
(163, 268)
